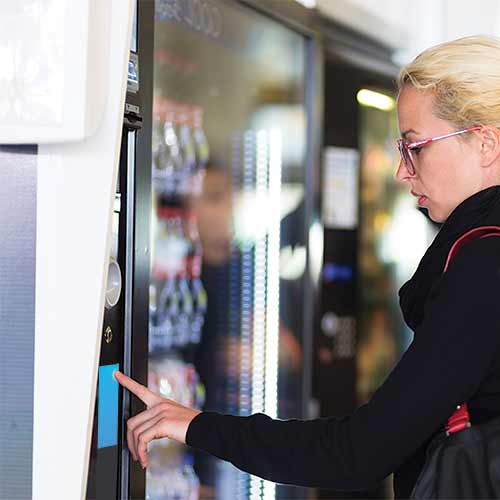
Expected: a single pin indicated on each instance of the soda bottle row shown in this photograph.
(180, 148)
(177, 310)
(178, 300)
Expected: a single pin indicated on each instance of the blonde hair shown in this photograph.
(464, 78)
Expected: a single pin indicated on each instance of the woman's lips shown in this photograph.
(421, 198)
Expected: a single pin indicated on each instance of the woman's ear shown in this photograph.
(490, 145)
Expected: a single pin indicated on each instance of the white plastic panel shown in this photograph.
(75, 200)
(53, 57)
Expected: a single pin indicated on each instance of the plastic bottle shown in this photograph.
(187, 147)
(191, 478)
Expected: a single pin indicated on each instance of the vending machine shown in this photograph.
(169, 237)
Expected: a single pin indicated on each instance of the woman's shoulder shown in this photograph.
(480, 253)
(473, 273)
(475, 266)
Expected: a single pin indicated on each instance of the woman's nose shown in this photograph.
(402, 172)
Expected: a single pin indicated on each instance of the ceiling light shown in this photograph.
(374, 99)
(310, 4)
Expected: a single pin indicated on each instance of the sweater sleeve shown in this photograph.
(450, 355)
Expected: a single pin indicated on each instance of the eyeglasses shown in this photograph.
(406, 148)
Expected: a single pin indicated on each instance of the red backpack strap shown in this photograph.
(474, 234)
(461, 418)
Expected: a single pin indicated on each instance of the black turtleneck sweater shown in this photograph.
(454, 357)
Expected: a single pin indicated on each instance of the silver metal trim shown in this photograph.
(18, 192)
(133, 41)
(128, 290)
(314, 106)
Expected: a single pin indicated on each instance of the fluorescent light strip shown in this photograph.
(273, 289)
(246, 288)
(259, 306)
(259, 302)
(272, 299)
(376, 100)
(233, 345)
(246, 333)
(269, 491)
(242, 167)
(256, 486)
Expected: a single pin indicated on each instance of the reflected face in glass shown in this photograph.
(447, 171)
(215, 216)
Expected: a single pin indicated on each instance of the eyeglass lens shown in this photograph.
(406, 157)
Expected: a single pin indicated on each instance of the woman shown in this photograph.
(449, 114)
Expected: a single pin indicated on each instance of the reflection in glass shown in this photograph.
(229, 244)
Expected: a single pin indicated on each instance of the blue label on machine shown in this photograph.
(107, 408)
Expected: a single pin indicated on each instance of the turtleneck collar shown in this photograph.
(481, 209)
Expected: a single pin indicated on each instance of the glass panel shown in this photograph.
(229, 250)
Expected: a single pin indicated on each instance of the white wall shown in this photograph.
(379, 20)
(409, 27)
(447, 20)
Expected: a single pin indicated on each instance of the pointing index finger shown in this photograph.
(148, 397)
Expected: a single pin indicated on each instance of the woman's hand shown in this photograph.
(163, 418)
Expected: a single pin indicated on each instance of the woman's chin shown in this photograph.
(436, 216)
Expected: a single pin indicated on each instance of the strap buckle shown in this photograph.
(459, 420)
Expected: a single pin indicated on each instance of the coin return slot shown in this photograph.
(114, 284)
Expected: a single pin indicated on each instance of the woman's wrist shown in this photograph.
(191, 414)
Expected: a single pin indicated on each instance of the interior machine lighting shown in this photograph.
(246, 331)
(272, 297)
(260, 270)
(247, 285)
(376, 100)
(273, 274)
(259, 300)
(256, 486)
(266, 290)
